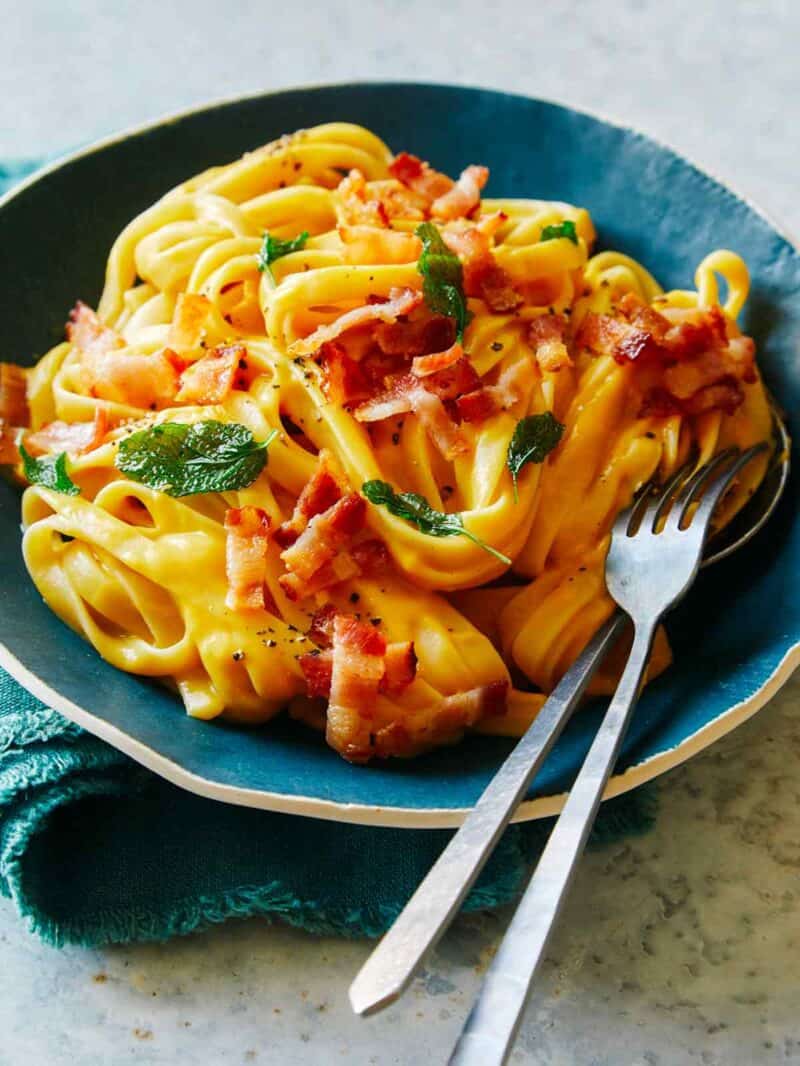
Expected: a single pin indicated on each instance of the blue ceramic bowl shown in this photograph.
(736, 638)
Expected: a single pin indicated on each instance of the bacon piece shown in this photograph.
(13, 395)
(343, 380)
(423, 365)
(411, 394)
(371, 557)
(486, 701)
(320, 542)
(426, 182)
(321, 491)
(366, 244)
(317, 667)
(464, 197)
(546, 337)
(483, 275)
(416, 337)
(399, 667)
(246, 541)
(321, 628)
(87, 332)
(358, 667)
(9, 449)
(134, 378)
(189, 322)
(400, 302)
(213, 377)
(724, 395)
(74, 437)
(357, 207)
(479, 404)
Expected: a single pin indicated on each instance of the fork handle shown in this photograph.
(437, 899)
(492, 1024)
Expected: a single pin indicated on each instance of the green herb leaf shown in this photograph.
(562, 229)
(276, 248)
(49, 471)
(443, 278)
(532, 441)
(415, 508)
(183, 460)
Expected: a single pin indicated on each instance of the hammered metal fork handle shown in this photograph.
(493, 1022)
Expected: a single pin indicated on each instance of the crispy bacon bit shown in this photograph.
(426, 182)
(371, 557)
(546, 337)
(325, 536)
(317, 667)
(483, 275)
(74, 437)
(409, 393)
(357, 208)
(479, 404)
(701, 368)
(400, 667)
(134, 378)
(358, 667)
(87, 332)
(321, 492)
(464, 197)
(486, 701)
(423, 365)
(9, 449)
(213, 377)
(416, 337)
(366, 244)
(189, 322)
(13, 395)
(343, 380)
(321, 628)
(247, 538)
(400, 302)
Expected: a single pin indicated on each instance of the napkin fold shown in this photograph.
(94, 849)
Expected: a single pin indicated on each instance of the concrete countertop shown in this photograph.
(677, 948)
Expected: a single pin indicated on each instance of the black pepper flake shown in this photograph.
(581, 569)
(447, 491)
(650, 435)
(354, 597)
(237, 656)
(271, 643)
(552, 310)
(395, 438)
(376, 621)
(243, 364)
(153, 406)
(299, 360)
(496, 346)
(307, 376)
(292, 629)
(298, 165)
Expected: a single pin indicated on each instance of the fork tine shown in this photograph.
(669, 494)
(629, 520)
(702, 477)
(717, 487)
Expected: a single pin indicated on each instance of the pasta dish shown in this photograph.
(346, 438)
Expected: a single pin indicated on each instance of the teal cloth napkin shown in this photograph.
(94, 849)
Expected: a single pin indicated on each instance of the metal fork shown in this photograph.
(655, 553)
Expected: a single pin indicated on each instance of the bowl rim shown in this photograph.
(358, 813)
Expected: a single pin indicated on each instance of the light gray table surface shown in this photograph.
(679, 947)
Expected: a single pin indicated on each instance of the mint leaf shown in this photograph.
(50, 471)
(415, 508)
(531, 442)
(562, 229)
(183, 460)
(442, 278)
(276, 248)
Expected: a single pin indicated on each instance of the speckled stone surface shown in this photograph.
(678, 948)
